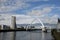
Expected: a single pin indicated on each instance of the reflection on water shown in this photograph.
(7, 35)
(46, 36)
(25, 35)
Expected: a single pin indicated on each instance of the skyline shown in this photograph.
(47, 10)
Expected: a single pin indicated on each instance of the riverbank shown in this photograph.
(9, 30)
(55, 34)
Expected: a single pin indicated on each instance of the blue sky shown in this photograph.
(45, 9)
(33, 4)
(27, 5)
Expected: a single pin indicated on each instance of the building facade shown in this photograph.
(13, 22)
(58, 25)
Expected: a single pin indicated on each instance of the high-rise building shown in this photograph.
(13, 22)
(58, 25)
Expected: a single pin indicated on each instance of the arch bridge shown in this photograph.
(42, 27)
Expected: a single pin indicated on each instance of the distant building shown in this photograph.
(58, 25)
(0, 27)
(13, 22)
(4, 27)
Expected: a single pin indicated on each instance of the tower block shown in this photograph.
(13, 22)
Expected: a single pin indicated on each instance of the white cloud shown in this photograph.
(20, 19)
(10, 5)
(34, 0)
(42, 10)
(55, 16)
(52, 19)
(26, 19)
(38, 11)
(5, 19)
(23, 19)
(46, 10)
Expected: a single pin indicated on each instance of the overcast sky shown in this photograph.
(27, 10)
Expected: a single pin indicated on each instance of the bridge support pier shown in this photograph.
(44, 29)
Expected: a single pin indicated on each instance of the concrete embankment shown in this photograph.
(55, 34)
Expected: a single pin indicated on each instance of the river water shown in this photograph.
(25, 35)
